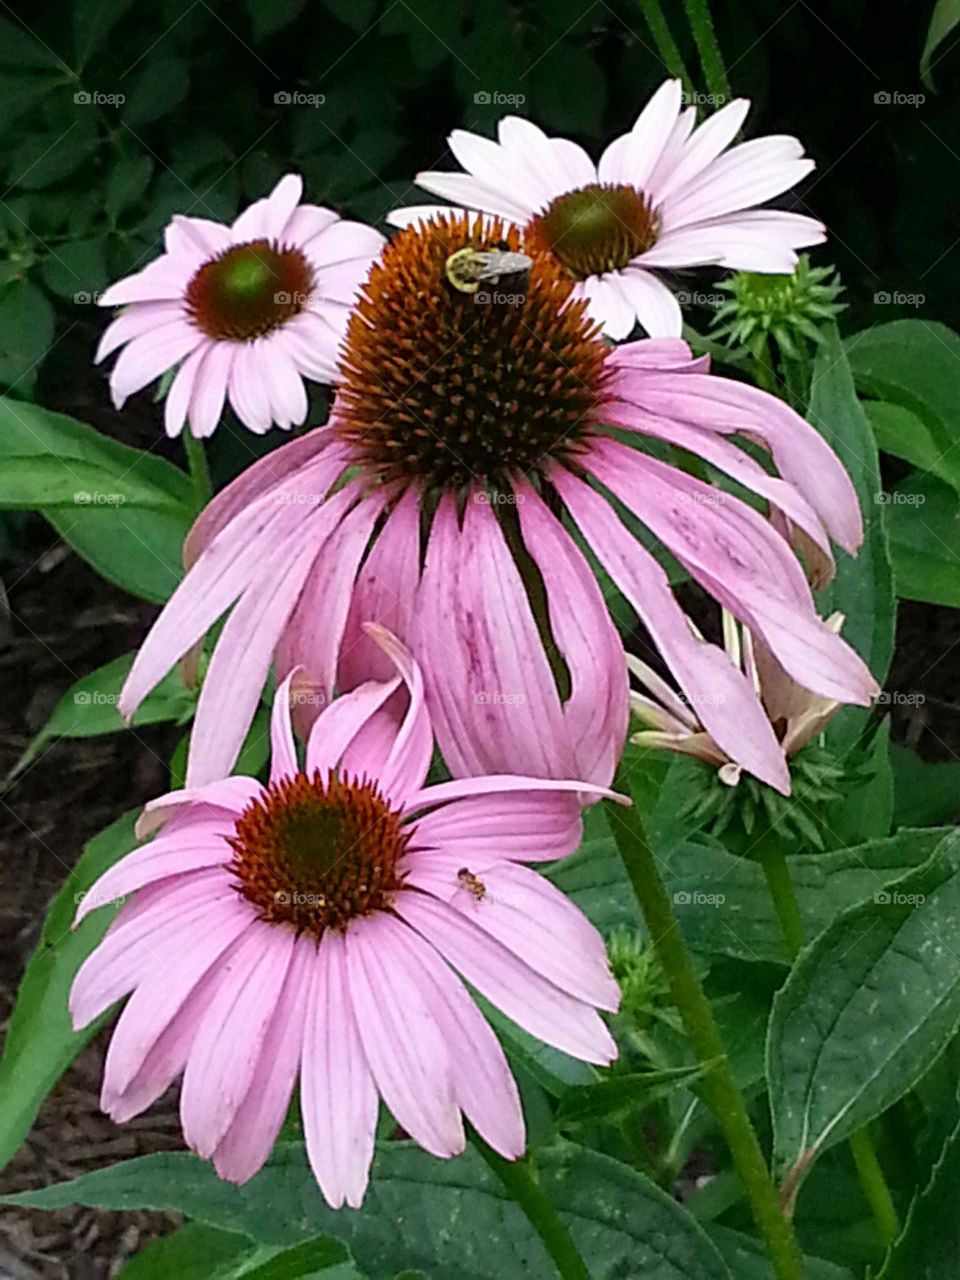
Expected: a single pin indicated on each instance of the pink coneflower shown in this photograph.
(311, 928)
(467, 460)
(664, 195)
(246, 312)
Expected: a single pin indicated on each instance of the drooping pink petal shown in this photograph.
(723, 698)
(210, 390)
(232, 795)
(135, 321)
(246, 1145)
(595, 711)
(146, 357)
(523, 995)
(224, 1055)
(493, 699)
(401, 1041)
(466, 192)
(483, 1083)
(182, 388)
(283, 750)
(338, 1098)
(502, 784)
(339, 723)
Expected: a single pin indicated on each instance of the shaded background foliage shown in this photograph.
(87, 187)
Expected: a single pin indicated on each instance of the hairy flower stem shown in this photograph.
(711, 59)
(717, 1086)
(869, 1172)
(666, 45)
(199, 471)
(520, 1179)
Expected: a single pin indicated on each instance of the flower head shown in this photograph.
(469, 440)
(312, 927)
(244, 312)
(789, 309)
(664, 195)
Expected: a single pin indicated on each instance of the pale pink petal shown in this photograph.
(247, 389)
(729, 459)
(655, 306)
(800, 453)
(146, 357)
(500, 784)
(609, 304)
(181, 389)
(401, 1041)
(536, 826)
(205, 236)
(338, 1098)
(422, 213)
(660, 355)
(337, 726)
(483, 1083)
(519, 169)
(343, 242)
(541, 927)
(465, 191)
(706, 143)
(403, 769)
(281, 203)
(283, 470)
(742, 177)
(761, 240)
(595, 712)
(578, 169)
(244, 652)
(524, 996)
(673, 148)
(724, 700)
(247, 1143)
(231, 795)
(312, 636)
(385, 592)
(166, 279)
(307, 221)
(224, 1056)
(203, 845)
(634, 161)
(138, 942)
(179, 964)
(287, 394)
(283, 751)
(312, 341)
(210, 389)
(492, 696)
(144, 317)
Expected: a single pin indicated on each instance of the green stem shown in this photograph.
(666, 45)
(717, 1087)
(869, 1171)
(780, 883)
(874, 1186)
(711, 59)
(520, 1179)
(199, 471)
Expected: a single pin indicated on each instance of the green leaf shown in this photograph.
(867, 1008)
(924, 526)
(89, 708)
(198, 1252)
(447, 1219)
(42, 482)
(128, 180)
(138, 549)
(93, 20)
(929, 1245)
(77, 271)
(26, 335)
(748, 1260)
(43, 158)
(265, 19)
(723, 903)
(924, 793)
(899, 432)
(159, 85)
(41, 1042)
(619, 1095)
(916, 364)
(946, 15)
(863, 587)
(18, 48)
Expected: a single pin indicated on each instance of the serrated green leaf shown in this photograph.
(866, 1009)
(448, 1219)
(41, 1042)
